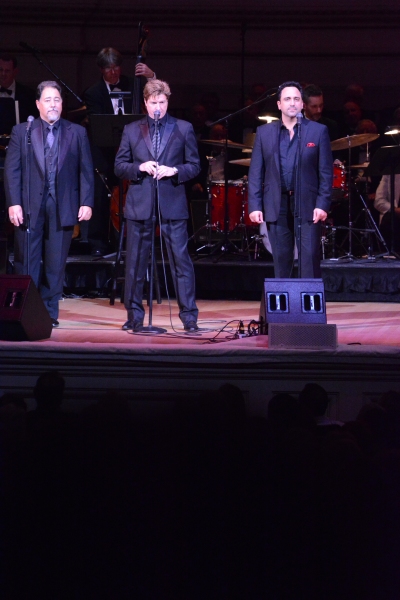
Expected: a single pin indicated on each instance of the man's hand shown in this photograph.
(164, 171)
(319, 215)
(16, 215)
(142, 70)
(256, 216)
(84, 214)
(149, 167)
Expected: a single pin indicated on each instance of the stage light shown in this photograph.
(268, 118)
(392, 130)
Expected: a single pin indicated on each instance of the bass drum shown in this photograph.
(237, 205)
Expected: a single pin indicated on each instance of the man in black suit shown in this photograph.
(49, 187)
(178, 162)
(274, 197)
(10, 88)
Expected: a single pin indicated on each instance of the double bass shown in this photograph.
(118, 195)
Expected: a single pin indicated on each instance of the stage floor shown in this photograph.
(94, 321)
(94, 354)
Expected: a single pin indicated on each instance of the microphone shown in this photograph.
(30, 48)
(156, 115)
(29, 123)
(299, 118)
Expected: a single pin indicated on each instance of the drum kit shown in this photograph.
(233, 220)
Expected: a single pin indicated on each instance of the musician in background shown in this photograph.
(97, 97)
(10, 88)
(313, 100)
(98, 102)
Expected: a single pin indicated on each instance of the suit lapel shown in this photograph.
(144, 127)
(65, 138)
(277, 126)
(37, 144)
(169, 127)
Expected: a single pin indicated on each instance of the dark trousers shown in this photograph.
(138, 245)
(49, 246)
(282, 234)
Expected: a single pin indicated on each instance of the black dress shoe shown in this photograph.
(55, 323)
(191, 326)
(133, 325)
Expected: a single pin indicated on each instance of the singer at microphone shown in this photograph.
(158, 147)
(281, 160)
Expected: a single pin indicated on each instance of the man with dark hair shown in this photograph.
(10, 88)
(49, 187)
(313, 107)
(285, 197)
(178, 162)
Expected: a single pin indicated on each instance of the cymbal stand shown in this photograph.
(208, 225)
(349, 254)
(372, 227)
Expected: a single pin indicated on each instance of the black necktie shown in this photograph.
(156, 139)
(3, 89)
(112, 86)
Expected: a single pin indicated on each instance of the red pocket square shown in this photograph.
(310, 145)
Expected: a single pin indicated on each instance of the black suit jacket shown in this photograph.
(97, 97)
(316, 170)
(75, 179)
(178, 149)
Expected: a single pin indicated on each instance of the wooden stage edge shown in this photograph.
(94, 354)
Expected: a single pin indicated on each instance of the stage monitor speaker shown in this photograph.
(23, 316)
(292, 301)
(300, 336)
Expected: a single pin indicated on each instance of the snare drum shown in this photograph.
(237, 204)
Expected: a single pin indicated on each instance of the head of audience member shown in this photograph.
(156, 95)
(49, 101)
(109, 61)
(354, 93)
(211, 102)
(256, 91)
(313, 102)
(49, 391)
(8, 70)
(366, 126)
(198, 117)
(315, 399)
(218, 132)
(352, 114)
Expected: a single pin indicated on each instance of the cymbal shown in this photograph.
(222, 143)
(363, 166)
(353, 140)
(245, 162)
(78, 111)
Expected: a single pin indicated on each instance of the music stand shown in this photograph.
(386, 161)
(106, 132)
(7, 115)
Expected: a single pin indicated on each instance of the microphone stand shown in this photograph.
(225, 243)
(297, 196)
(35, 52)
(150, 327)
(28, 146)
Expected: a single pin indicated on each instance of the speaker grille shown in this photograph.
(302, 336)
